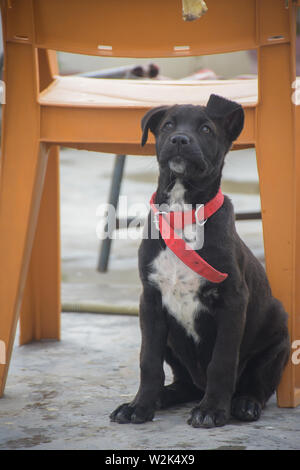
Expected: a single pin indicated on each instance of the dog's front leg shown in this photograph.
(214, 409)
(154, 339)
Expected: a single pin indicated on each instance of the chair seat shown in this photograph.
(112, 93)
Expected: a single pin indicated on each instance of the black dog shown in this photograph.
(226, 342)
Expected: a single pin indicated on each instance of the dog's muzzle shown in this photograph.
(177, 165)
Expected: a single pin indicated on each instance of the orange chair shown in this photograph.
(44, 111)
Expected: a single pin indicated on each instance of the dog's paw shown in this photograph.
(202, 417)
(129, 413)
(245, 408)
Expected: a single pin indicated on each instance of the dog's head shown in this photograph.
(192, 141)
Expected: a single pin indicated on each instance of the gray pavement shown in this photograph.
(59, 394)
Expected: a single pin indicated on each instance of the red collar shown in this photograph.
(168, 221)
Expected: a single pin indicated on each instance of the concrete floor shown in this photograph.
(59, 394)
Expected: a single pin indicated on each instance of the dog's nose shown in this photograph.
(180, 139)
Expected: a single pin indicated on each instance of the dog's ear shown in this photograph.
(230, 113)
(151, 121)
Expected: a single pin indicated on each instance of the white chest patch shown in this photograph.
(178, 284)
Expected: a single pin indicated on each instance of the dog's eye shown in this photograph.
(168, 125)
(206, 130)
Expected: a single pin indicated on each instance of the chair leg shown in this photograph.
(113, 201)
(23, 166)
(21, 189)
(278, 190)
(41, 306)
(40, 311)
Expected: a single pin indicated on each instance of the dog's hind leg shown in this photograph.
(259, 381)
(177, 393)
(182, 390)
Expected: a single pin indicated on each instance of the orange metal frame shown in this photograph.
(34, 127)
